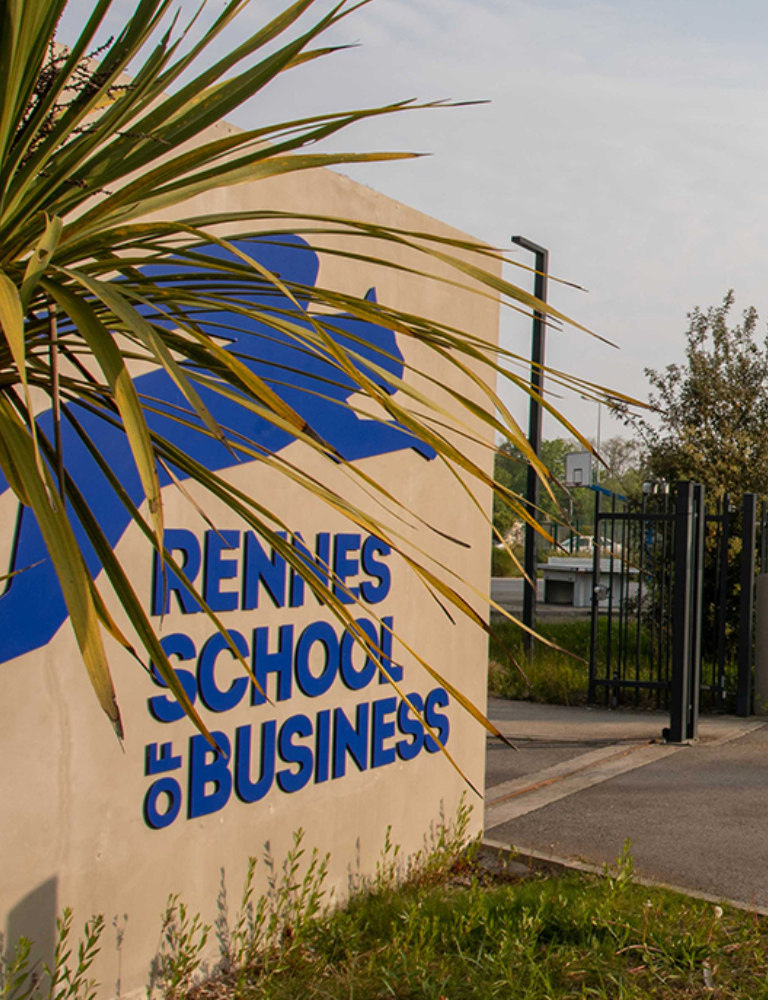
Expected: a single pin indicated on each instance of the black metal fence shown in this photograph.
(574, 538)
(673, 591)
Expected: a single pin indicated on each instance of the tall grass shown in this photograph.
(443, 927)
(561, 676)
(557, 678)
(502, 563)
(551, 677)
(471, 936)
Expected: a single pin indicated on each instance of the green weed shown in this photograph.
(502, 563)
(23, 979)
(548, 938)
(557, 678)
(179, 957)
(551, 677)
(441, 928)
(268, 929)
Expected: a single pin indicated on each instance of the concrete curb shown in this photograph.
(747, 727)
(540, 861)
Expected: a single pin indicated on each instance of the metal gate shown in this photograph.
(673, 589)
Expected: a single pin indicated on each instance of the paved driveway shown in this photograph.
(585, 780)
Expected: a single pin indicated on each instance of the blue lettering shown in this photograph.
(375, 594)
(280, 663)
(354, 679)
(208, 767)
(257, 569)
(322, 746)
(393, 670)
(162, 760)
(217, 569)
(163, 707)
(213, 697)
(344, 567)
(323, 634)
(246, 789)
(410, 727)
(319, 565)
(166, 583)
(322, 562)
(153, 816)
(349, 739)
(437, 698)
(382, 729)
(292, 753)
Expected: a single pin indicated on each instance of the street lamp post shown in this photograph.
(597, 464)
(591, 399)
(534, 433)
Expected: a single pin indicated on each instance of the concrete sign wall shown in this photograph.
(107, 830)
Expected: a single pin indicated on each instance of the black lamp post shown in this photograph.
(534, 433)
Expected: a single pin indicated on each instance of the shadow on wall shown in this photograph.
(34, 917)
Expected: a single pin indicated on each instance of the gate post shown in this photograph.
(722, 610)
(682, 602)
(697, 588)
(595, 602)
(746, 604)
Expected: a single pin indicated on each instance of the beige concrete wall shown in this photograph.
(72, 831)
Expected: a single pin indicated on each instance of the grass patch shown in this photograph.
(469, 935)
(555, 678)
(446, 924)
(502, 563)
(559, 679)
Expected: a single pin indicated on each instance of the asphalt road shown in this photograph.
(697, 817)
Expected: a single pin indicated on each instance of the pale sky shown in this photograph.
(630, 137)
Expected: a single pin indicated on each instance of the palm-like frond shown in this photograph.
(82, 167)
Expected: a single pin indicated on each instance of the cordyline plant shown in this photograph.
(87, 156)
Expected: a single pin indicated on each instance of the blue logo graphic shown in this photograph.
(33, 609)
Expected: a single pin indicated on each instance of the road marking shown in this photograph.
(516, 798)
(744, 729)
(563, 769)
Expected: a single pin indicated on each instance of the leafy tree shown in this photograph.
(713, 409)
(713, 429)
(620, 473)
(511, 469)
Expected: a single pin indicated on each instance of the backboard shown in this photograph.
(578, 468)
